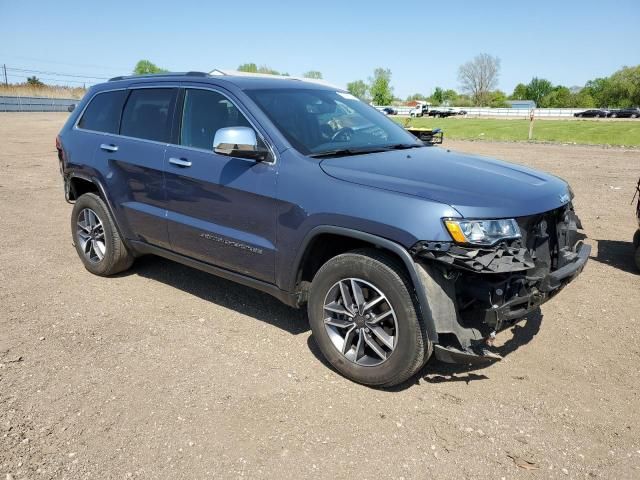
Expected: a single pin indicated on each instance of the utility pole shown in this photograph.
(6, 82)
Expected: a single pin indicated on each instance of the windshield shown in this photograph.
(319, 121)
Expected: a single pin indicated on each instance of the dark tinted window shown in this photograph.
(204, 113)
(147, 114)
(103, 113)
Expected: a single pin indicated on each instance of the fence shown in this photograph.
(502, 112)
(35, 104)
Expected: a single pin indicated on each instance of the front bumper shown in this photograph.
(519, 307)
(492, 288)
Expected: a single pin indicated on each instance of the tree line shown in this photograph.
(478, 80)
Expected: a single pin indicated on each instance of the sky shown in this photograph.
(423, 43)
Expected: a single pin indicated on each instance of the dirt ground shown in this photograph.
(167, 372)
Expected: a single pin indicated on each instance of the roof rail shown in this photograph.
(160, 75)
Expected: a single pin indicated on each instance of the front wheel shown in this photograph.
(364, 319)
(96, 237)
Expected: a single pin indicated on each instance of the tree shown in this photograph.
(357, 88)
(582, 99)
(313, 74)
(248, 67)
(253, 68)
(416, 97)
(624, 87)
(34, 81)
(479, 76)
(520, 92)
(269, 71)
(144, 67)
(380, 87)
(559, 97)
(437, 97)
(497, 99)
(537, 89)
(600, 91)
(449, 96)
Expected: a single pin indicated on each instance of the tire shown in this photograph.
(614, 115)
(376, 273)
(637, 258)
(634, 115)
(636, 239)
(96, 239)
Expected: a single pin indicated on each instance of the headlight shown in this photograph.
(482, 232)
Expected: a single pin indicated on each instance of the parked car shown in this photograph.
(592, 113)
(625, 113)
(397, 252)
(442, 112)
(389, 111)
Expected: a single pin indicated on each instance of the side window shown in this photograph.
(204, 113)
(103, 113)
(147, 114)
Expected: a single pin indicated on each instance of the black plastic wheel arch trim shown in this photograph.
(386, 244)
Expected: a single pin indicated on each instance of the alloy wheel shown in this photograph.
(360, 321)
(90, 234)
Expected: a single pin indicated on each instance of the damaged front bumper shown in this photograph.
(489, 289)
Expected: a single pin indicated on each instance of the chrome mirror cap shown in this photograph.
(240, 142)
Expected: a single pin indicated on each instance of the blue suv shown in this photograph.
(399, 250)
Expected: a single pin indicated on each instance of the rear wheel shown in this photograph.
(364, 319)
(96, 237)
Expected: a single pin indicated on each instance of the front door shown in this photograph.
(221, 210)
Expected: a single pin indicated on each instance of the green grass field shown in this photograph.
(560, 131)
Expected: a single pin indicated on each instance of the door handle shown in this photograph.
(181, 162)
(109, 147)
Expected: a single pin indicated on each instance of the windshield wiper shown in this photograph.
(347, 152)
(403, 146)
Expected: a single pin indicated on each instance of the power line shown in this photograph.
(42, 60)
(16, 76)
(59, 74)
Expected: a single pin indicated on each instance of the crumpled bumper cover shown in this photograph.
(494, 287)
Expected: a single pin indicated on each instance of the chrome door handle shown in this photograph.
(181, 162)
(109, 147)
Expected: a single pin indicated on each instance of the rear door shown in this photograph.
(135, 157)
(221, 210)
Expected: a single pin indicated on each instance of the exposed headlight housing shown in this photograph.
(482, 232)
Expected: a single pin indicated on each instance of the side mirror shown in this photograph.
(240, 142)
(71, 107)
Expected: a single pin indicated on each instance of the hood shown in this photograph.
(475, 186)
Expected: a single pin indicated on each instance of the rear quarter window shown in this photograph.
(103, 112)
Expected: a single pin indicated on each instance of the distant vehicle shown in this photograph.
(597, 113)
(419, 111)
(442, 113)
(389, 111)
(625, 113)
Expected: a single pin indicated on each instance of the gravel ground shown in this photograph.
(167, 372)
